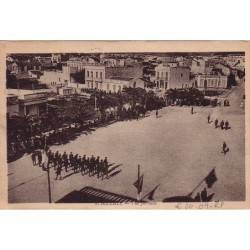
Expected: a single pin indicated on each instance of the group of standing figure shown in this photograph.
(84, 165)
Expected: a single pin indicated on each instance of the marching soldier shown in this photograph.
(40, 157)
(33, 157)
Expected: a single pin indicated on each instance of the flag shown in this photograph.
(211, 179)
(151, 194)
(138, 184)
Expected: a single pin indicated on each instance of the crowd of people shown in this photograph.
(93, 166)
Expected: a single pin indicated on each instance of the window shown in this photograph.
(107, 86)
(96, 74)
(92, 74)
(212, 83)
(162, 74)
(96, 85)
(157, 73)
(87, 73)
(166, 74)
(101, 75)
(181, 75)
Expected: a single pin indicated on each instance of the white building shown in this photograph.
(94, 76)
(31, 102)
(211, 81)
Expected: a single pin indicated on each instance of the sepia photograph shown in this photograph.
(133, 128)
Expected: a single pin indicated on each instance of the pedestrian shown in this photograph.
(222, 125)
(100, 169)
(192, 110)
(224, 148)
(208, 119)
(216, 123)
(97, 161)
(33, 157)
(156, 113)
(226, 125)
(75, 163)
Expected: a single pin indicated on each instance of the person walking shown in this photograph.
(192, 110)
(222, 125)
(156, 113)
(216, 123)
(224, 148)
(208, 119)
(226, 125)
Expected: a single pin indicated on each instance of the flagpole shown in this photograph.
(138, 189)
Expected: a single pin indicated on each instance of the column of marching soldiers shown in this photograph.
(84, 165)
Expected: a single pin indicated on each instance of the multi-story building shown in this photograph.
(171, 77)
(94, 76)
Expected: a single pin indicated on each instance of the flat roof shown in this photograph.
(26, 91)
(121, 78)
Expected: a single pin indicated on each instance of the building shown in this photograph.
(65, 91)
(35, 74)
(171, 77)
(94, 76)
(116, 83)
(31, 102)
(225, 69)
(211, 82)
(56, 58)
(124, 72)
(12, 105)
(198, 66)
(56, 77)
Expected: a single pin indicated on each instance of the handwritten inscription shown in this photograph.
(204, 205)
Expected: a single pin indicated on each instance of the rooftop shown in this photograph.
(121, 78)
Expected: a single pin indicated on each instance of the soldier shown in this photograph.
(105, 168)
(88, 165)
(100, 169)
(59, 161)
(156, 113)
(97, 161)
(222, 125)
(79, 163)
(192, 110)
(33, 157)
(58, 172)
(40, 158)
(71, 157)
(56, 158)
(75, 163)
(84, 167)
(216, 123)
(92, 165)
(65, 161)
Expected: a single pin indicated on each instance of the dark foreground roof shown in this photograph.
(94, 195)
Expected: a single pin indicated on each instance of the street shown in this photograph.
(175, 151)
